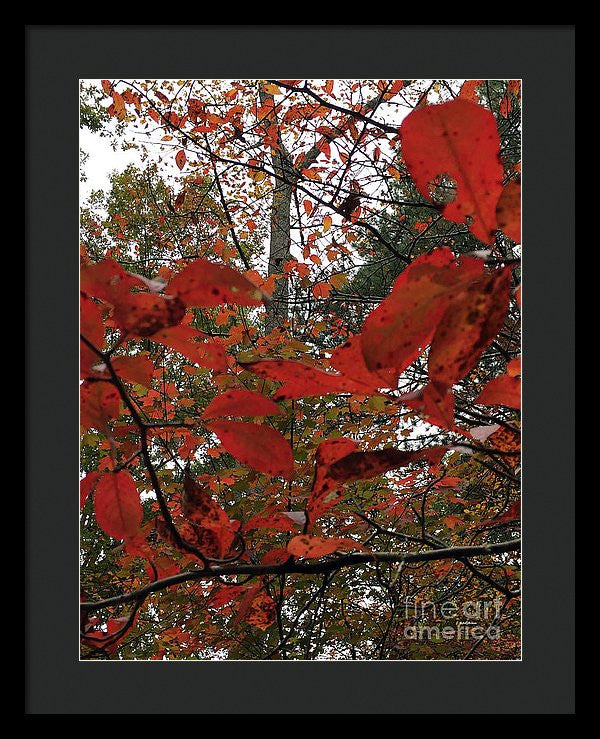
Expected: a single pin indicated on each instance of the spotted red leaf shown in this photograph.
(503, 390)
(240, 402)
(204, 283)
(364, 465)
(471, 322)
(100, 403)
(180, 159)
(257, 446)
(319, 546)
(398, 330)
(458, 139)
(117, 504)
(199, 507)
(143, 314)
(262, 612)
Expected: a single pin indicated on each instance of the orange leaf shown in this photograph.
(180, 159)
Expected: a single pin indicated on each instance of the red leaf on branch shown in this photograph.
(240, 402)
(260, 447)
(117, 504)
(86, 486)
(91, 327)
(107, 280)
(471, 322)
(143, 314)
(198, 506)
(398, 330)
(325, 491)
(319, 546)
(436, 403)
(302, 380)
(262, 612)
(508, 211)
(458, 139)
(180, 159)
(204, 283)
(503, 390)
(194, 345)
(100, 403)
(137, 369)
(364, 465)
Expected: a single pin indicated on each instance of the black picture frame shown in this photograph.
(56, 58)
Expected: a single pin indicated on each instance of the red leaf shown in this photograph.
(471, 322)
(260, 447)
(86, 485)
(302, 380)
(508, 211)
(198, 506)
(239, 402)
(325, 491)
(91, 327)
(180, 159)
(143, 314)
(273, 520)
(107, 280)
(349, 360)
(364, 465)
(204, 283)
(100, 403)
(458, 139)
(117, 503)
(436, 403)
(194, 345)
(398, 330)
(138, 369)
(318, 546)
(503, 390)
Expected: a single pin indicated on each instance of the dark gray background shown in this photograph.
(56, 57)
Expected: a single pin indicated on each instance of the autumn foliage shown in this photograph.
(279, 454)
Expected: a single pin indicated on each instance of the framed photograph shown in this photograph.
(304, 369)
